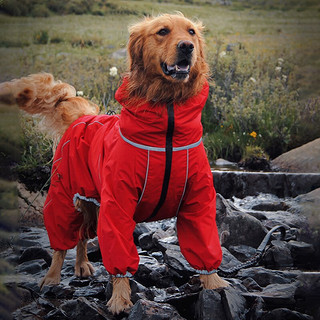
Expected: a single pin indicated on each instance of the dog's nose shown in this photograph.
(185, 46)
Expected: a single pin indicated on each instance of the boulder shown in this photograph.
(303, 159)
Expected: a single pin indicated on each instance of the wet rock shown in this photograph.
(242, 184)
(256, 309)
(33, 253)
(251, 284)
(234, 304)
(278, 256)
(32, 267)
(265, 276)
(83, 309)
(228, 260)
(242, 252)
(301, 253)
(283, 313)
(145, 309)
(209, 306)
(145, 240)
(151, 272)
(276, 295)
(240, 227)
(57, 292)
(96, 290)
(307, 294)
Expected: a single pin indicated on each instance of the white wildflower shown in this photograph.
(222, 54)
(253, 80)
(113, 71)
(280, 61)
(284, 77)
(278, 69)
(80, 93)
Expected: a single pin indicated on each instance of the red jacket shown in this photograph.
(142, 165)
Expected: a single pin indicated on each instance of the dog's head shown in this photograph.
(166, 58)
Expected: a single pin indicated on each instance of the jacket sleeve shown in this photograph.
(116, 224)
(196, 223)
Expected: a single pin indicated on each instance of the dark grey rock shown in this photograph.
(209, 306)
(265, 277)
(83, 309)
(234, 304)
(96, 290)
(285, 314)
(32, 267)
(33, 253)
(278, 256)
(57, 292)
(145, 309)
(145, 240)
(276, 295)
(301, 253)
(228, 260)
(242, 252)
(256, 309)
(251, 284)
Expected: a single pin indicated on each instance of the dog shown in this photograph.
(146, 164)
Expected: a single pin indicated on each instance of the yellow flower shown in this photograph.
(253, 134)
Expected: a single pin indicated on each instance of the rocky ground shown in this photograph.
(285, 284)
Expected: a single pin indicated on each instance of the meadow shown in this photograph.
(264, 60)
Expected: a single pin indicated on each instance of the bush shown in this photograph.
(253, 101)
(41, 37)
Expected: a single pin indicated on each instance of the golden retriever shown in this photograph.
(166, 64)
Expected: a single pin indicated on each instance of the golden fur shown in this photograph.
(59, 106)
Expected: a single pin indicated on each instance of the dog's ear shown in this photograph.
(135, 46)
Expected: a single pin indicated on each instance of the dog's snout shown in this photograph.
(185, 46)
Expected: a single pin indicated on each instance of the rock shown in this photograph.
(265, 277)
(242, 252)
(251, 284)
(145, 240)
(32, 267)
(83, 309)
(241, 184)
(209, 306)
(145, 309)
(256, 310)
(276, 295)
(228, 260)
(301, 253)
(33, 253)
(241, 227)
(303, 159)
(57, 292)
(278, 256)
(283, 313)
(234, 304)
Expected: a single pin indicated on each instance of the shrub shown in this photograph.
(253, 94)
(41, 37)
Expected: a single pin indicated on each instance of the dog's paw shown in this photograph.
(83, 269)
(118, 304)
(213, 281)
(49, 280)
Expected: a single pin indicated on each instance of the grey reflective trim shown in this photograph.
(94, 123)
(78, 196)
(146, 178)
(205, 271)
(78, 124)
(127, 275)
(185, 183)
(150, 148)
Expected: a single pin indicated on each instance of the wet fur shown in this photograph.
(59, 106)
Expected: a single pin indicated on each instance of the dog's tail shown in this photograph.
(54, 101)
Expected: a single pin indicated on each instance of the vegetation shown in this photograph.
(264, 58)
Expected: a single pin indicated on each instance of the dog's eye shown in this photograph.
(192, 32)
(163, 32)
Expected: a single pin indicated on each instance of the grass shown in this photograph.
(78, 49)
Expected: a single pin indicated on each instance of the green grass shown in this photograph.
(78, 49)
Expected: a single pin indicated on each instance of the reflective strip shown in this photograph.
(205, 271)
(146, 178)
(185, 183)
(150, 148)
(127, 275)
(78, 196)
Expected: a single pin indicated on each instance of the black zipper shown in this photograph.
(167, 171)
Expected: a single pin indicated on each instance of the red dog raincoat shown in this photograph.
(142, 165)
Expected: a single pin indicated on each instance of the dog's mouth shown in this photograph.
(179, 71)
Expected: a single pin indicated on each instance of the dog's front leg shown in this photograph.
(83, 267)
(53, 276)
(212, 281)
(121, 296)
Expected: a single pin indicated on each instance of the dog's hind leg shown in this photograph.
(53, 276)
(83, 267)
